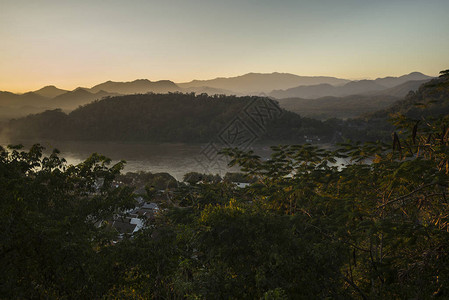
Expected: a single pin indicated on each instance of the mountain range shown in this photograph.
(190, 118)
(275, 85)
(380, 86)
(257, 83)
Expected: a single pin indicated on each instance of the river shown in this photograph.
(175, 159)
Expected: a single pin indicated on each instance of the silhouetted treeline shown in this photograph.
(173, 117)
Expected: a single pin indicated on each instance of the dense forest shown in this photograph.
(173, 117)
(304, 228)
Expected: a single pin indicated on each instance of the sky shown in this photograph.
(83, 43)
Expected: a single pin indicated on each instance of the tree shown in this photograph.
(53, 243)
(387, 209)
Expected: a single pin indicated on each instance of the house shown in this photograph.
(134, 220)
(123, 226)
(241, 185)
(147, 210)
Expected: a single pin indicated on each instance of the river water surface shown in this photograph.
(175, 159)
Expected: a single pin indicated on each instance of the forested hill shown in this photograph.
(430, 100)
(173, 117)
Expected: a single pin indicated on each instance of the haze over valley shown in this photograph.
(275, 85)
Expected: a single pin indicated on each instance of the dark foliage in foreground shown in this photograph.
(377, 228)
(305, 228)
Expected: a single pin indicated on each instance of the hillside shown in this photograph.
(140, 86)
(360, 87)
(336, 107)
(71, 100)
(166, 118)
(256, 83)
(19, 100)
(431, 100)
(50, 91)
(403, 89)
(390, 82)
(323, 90)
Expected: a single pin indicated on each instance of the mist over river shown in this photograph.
(175, 159)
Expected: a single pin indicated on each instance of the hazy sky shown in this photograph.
(82, 43)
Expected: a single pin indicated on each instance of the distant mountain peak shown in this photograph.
(81, 89)
(390, 82)
(101, 92)
(416, 73)
(138, 86)
(50, 91)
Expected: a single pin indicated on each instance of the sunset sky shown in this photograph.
(82, 43)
